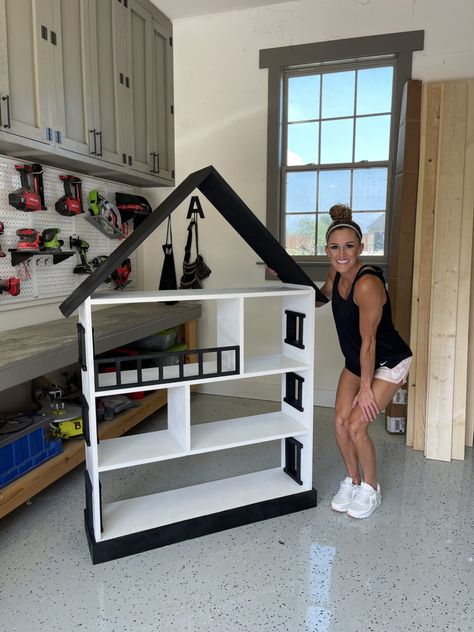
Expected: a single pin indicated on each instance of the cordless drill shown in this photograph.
(82, 248)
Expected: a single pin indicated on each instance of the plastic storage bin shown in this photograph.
(160, 341)
(24, 454)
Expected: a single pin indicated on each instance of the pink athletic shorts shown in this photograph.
(397, 375)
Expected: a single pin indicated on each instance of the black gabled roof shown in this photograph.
(235, 211)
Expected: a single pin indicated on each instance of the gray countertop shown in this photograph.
(28, 352)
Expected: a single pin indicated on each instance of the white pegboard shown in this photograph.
(40, 278)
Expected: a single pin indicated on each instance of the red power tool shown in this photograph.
(2, 230)
(70, 204)
(120, 275)
(11, 285)
(29, 240)
(30, 197)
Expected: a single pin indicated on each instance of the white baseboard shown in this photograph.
(256, 390)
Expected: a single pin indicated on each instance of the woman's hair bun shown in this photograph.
(340, 212)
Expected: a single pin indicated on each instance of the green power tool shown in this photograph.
(82, 247)
(50, 239)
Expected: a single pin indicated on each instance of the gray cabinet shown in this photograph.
(25, 69)
(163, 107)
(73, 86)
(107, 51)
(88, 78)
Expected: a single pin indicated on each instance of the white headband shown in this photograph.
(354, 228)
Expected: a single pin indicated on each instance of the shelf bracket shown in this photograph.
(292, 467)
(294, 328)
(294, 391)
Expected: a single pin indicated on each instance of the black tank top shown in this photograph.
(390, 348)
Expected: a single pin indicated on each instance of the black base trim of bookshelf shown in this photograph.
(203, 525)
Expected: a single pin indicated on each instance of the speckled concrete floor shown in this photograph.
(409, 567)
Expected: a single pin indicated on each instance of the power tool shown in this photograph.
(108, 217)
(30, 197)
(134, 207)
(70, 204)
(82, 247)
(29, 240)
(120, 275)
(98, 261)
(50, 239)
(11, 285)
(2, 230)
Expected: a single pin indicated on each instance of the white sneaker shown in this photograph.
(366, 501)
(345, 495)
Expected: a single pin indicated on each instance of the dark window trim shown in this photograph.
(402, 45)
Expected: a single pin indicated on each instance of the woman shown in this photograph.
(377, 360)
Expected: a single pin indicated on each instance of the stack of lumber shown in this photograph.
(440, 416)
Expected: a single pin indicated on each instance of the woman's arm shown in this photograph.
(328, 285)
(369, 296)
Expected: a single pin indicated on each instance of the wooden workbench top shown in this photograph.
(28, 352)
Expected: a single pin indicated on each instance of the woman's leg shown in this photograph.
(358, 430)
(347, 389)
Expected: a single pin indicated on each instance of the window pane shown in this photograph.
(334, 188)
(374, 90)
(323, 224)
(336, 141)
(301, 192)
(338, 94)
(302, 143)
(300, 232)
(369, 189)
(303, 98)
(372, 138)
(373, 232)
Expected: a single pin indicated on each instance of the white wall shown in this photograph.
(221, 117)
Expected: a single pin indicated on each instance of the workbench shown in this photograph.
(30, 352)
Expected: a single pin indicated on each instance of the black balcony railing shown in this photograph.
(165, 367)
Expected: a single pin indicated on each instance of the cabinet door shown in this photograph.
(107, 45)
(163, 120)
(27, 60)
(139, 72)
(72, 74)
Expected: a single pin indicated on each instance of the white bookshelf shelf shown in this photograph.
(232, 433)
(253, 367)
(137, 524)
(156, 510)
(138, 449)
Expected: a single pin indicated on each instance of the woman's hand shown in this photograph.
(366, 400)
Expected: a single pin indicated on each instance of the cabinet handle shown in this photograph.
(130, 161)
(157, 163)
(54, 40)
(7, 99)
(93, 153)
(127, 82)
(121, 77)
(99, 134)
(152, 154)
(124, 159)
(59, 137)
(44, 32)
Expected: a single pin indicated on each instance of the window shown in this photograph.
(332, 129)
(336, 149)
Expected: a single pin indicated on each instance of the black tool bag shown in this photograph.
(193, 271)
(168, 273)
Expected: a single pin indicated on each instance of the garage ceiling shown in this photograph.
(178, 9)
